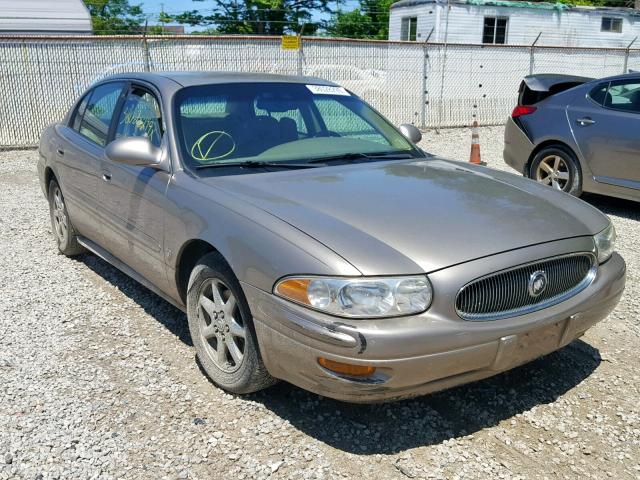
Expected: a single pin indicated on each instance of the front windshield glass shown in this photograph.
(278, 122)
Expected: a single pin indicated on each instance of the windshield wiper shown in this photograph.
(352, 156)
(256, 164)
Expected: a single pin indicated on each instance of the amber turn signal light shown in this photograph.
(347, 368)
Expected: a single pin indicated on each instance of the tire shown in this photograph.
(61, 225)
(567, 177)
(215, 324)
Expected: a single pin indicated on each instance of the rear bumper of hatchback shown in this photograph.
(423, 353)
(517, 147)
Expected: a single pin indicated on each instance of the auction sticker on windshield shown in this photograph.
(327, 90)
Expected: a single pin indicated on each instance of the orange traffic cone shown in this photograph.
(475, 146)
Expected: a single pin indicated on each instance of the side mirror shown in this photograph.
(134, 151)
(411, 132)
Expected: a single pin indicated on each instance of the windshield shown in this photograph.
(279, 122)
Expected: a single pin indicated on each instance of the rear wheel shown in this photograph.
(221, 328)
(61, 226)
(558, 168)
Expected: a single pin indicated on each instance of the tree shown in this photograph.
(112, 17)
(260, 17)
(370, 20)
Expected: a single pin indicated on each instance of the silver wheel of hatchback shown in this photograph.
(221, 325)
(554, 172)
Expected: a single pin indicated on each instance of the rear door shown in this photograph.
(605, 124)
(132, 197)
(80, 152)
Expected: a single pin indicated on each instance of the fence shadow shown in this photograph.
(392, 427)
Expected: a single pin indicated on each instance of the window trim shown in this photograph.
(408, 19)
(495, 29)
(611, 22)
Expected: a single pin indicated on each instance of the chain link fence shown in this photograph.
(429, 84)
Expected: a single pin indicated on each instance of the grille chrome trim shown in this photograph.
(506, 293)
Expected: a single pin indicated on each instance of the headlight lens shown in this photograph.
(360, 297)
(605, 243)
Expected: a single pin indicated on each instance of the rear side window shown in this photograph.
(77, 116)
(96, 119)
(624, 96)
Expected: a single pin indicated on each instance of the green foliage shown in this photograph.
(370, 20)
(111, 17)
(260, 17)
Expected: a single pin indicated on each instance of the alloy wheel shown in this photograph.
(554, 172)
(60, 220)
(221, 325)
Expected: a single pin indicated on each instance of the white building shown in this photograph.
(510, 22)
(44, 17)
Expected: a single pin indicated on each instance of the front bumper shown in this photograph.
(429, 352)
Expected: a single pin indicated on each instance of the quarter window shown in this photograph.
(140, 117)
(611, 24)
(495, 30)
(97, 115)
(409, 29)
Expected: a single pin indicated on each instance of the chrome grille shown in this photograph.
(507, 293)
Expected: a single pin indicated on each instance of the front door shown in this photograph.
(133, 197)
(606, 126)
(80, 151)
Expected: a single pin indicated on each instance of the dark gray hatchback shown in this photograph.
(578, 134)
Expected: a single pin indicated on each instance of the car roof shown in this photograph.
(624, 76)
(187, 79)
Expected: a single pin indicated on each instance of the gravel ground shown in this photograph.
(98, 380)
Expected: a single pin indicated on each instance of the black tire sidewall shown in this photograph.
(252, 374)
(575, 174)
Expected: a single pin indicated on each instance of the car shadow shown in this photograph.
(172, 318)
(613, 206)
(392, 427)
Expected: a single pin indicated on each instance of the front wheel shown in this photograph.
(221, 328)
(558, 168)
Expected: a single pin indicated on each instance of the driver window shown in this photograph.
(140, 117)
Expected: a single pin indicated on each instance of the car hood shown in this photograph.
(415, 216)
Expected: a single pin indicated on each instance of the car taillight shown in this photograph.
(521, 110)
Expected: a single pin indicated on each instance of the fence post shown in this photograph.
(300, 51)
(531, 53)
(145, 49)
(425, 69)
(626, 55)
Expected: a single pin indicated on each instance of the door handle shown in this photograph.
(585, 122)
(106, 176)
(60, 151)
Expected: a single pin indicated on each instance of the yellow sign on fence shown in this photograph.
(290, 42)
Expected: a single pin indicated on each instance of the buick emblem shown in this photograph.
(537, 283)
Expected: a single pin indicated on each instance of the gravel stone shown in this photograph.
(98, 380)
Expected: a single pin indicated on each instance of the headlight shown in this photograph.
(605, 243)
(360, 297)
